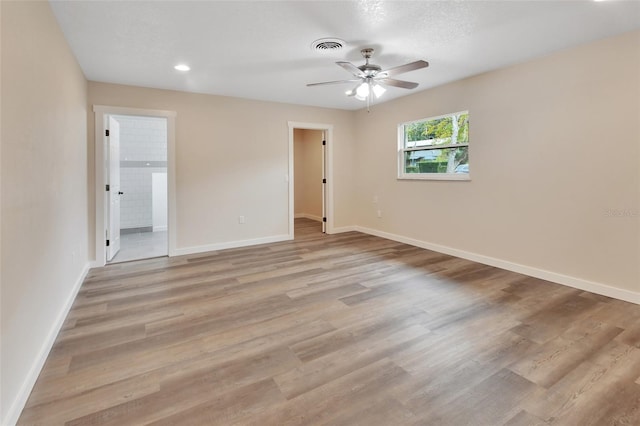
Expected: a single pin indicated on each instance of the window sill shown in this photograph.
(436, 176)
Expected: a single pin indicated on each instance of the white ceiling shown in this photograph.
(261, 49)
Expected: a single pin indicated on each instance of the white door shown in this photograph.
(324, 181)
(114, 193)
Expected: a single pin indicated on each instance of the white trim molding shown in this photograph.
(579, 283)
(101, 112)
(342, 229)
(14, 411)
(231, 244)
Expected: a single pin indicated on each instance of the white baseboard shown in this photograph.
(160, 228)
(95, 264)
(230, 244)
(579, 283)
(307, 216)
(342, 229)
(14, 411)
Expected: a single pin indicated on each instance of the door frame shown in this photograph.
(328, 201)
(101, 112)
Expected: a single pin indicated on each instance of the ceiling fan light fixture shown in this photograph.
(363, 90)
(378, 90)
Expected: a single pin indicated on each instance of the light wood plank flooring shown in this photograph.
(345, 329)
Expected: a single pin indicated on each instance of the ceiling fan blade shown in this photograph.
(411, 66)
(324, 83)
(397, 83)
(351, 68)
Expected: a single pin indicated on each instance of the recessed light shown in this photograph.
(182, 67)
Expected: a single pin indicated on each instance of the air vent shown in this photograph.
(327, 44)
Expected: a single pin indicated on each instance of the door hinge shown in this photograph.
(324, 181)
(106, 187)
(106, 132)
(107, 243)
(324, 142)
(324, 219)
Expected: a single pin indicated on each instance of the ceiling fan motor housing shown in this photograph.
(370, 69)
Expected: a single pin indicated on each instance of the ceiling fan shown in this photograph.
(371, 78)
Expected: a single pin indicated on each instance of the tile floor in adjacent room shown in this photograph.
(142, 245)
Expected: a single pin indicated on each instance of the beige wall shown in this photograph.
(308, 172)
(44, 189)
(554, 146)
(232, 160)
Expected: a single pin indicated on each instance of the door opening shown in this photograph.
(310, 184)
(158, 172)
(137, 188)
(308, 177)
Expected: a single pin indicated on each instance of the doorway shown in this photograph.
(310, 171)
(137, 197)
(135, 186)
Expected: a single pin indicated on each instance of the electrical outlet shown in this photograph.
(241, 220)
(375, 199)
(379, 213)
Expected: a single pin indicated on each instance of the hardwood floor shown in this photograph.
(345, 329)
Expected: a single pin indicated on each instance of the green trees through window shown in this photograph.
(438, 145)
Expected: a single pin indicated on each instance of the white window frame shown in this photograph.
(402, 175)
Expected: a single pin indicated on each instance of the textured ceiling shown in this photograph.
(261, 49)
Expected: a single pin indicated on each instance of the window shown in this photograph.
(435, 148)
